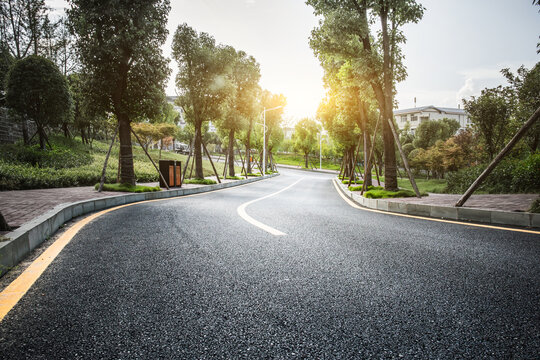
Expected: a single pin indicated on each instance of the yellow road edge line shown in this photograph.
(14, 292)
(356, 206)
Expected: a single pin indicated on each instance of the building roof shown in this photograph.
(441, 110)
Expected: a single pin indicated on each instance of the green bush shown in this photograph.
(383, 194)
(370, 187)
(200, 181)
(353, 182)
(510, 176)
(65, 154)
(535, 206)
(128, 188)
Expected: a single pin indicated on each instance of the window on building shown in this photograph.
(404, 118)
(424, 118)
(414, 118)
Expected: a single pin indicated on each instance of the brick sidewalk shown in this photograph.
(20, 206)
(505, 202)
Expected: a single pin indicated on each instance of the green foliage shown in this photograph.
(385, 194)
(369, 188)
(119, 45)
(490, 113)
(35, 88)
(233, 178)
(535, 206)
(200, 181)
(346, 181)
(305, 137)
(66, 153)
(253, 175)
(510, 176)
(17, 175)
(128, 188)
(429, 132)
(424, 185)
(526, 87)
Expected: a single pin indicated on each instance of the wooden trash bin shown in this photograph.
(172, 172)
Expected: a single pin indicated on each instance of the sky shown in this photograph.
(456, 50)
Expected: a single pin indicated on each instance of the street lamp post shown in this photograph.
(323, 132)
(264, 136)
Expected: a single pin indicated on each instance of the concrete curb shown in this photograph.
(31, 234)
(494, 217)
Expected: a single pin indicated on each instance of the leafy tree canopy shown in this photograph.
(35, 88)
(431, 131)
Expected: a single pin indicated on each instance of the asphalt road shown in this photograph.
(190, 279)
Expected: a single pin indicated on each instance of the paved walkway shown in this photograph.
(20, 206)
(505, 202)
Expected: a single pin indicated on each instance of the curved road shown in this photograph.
(190, 278)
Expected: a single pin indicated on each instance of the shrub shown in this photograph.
(535, 206)
(510, 176)
(371, 187)
(353, 182)
(199, 181)
(383, 194)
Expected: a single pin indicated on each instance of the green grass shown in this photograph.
(384, 194)
(128, 188)
(298, 160)
(72, 163)
(346, 182)
(253, 174)
(233, 178)
(424, 185)
(200, 181)
(359, 188)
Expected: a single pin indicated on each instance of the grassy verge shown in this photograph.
(72, 163)
(298, 160)
(424, 185)
(200, 181)
(128, 188)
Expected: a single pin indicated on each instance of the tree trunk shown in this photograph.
(199, 174)
(367, 171)
(41, 134)
(390, 172)
(306, 156)
(127, 173)
(3, 223)
(26, 137)
(231, 152)
(248, 148)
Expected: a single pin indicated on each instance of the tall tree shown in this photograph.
(202, 81)
(490, 114)
(305, 137)
(22, 23)
(345, 32)
(242, 105)
(526, 87)
(274, 117)
(119, 44)
(429, 132)
(37, 89)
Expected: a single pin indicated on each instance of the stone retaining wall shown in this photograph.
(11, 127)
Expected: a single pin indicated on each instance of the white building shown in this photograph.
(417, 115)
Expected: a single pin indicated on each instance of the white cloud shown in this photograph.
(467, 90)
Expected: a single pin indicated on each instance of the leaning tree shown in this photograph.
(119, 44)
